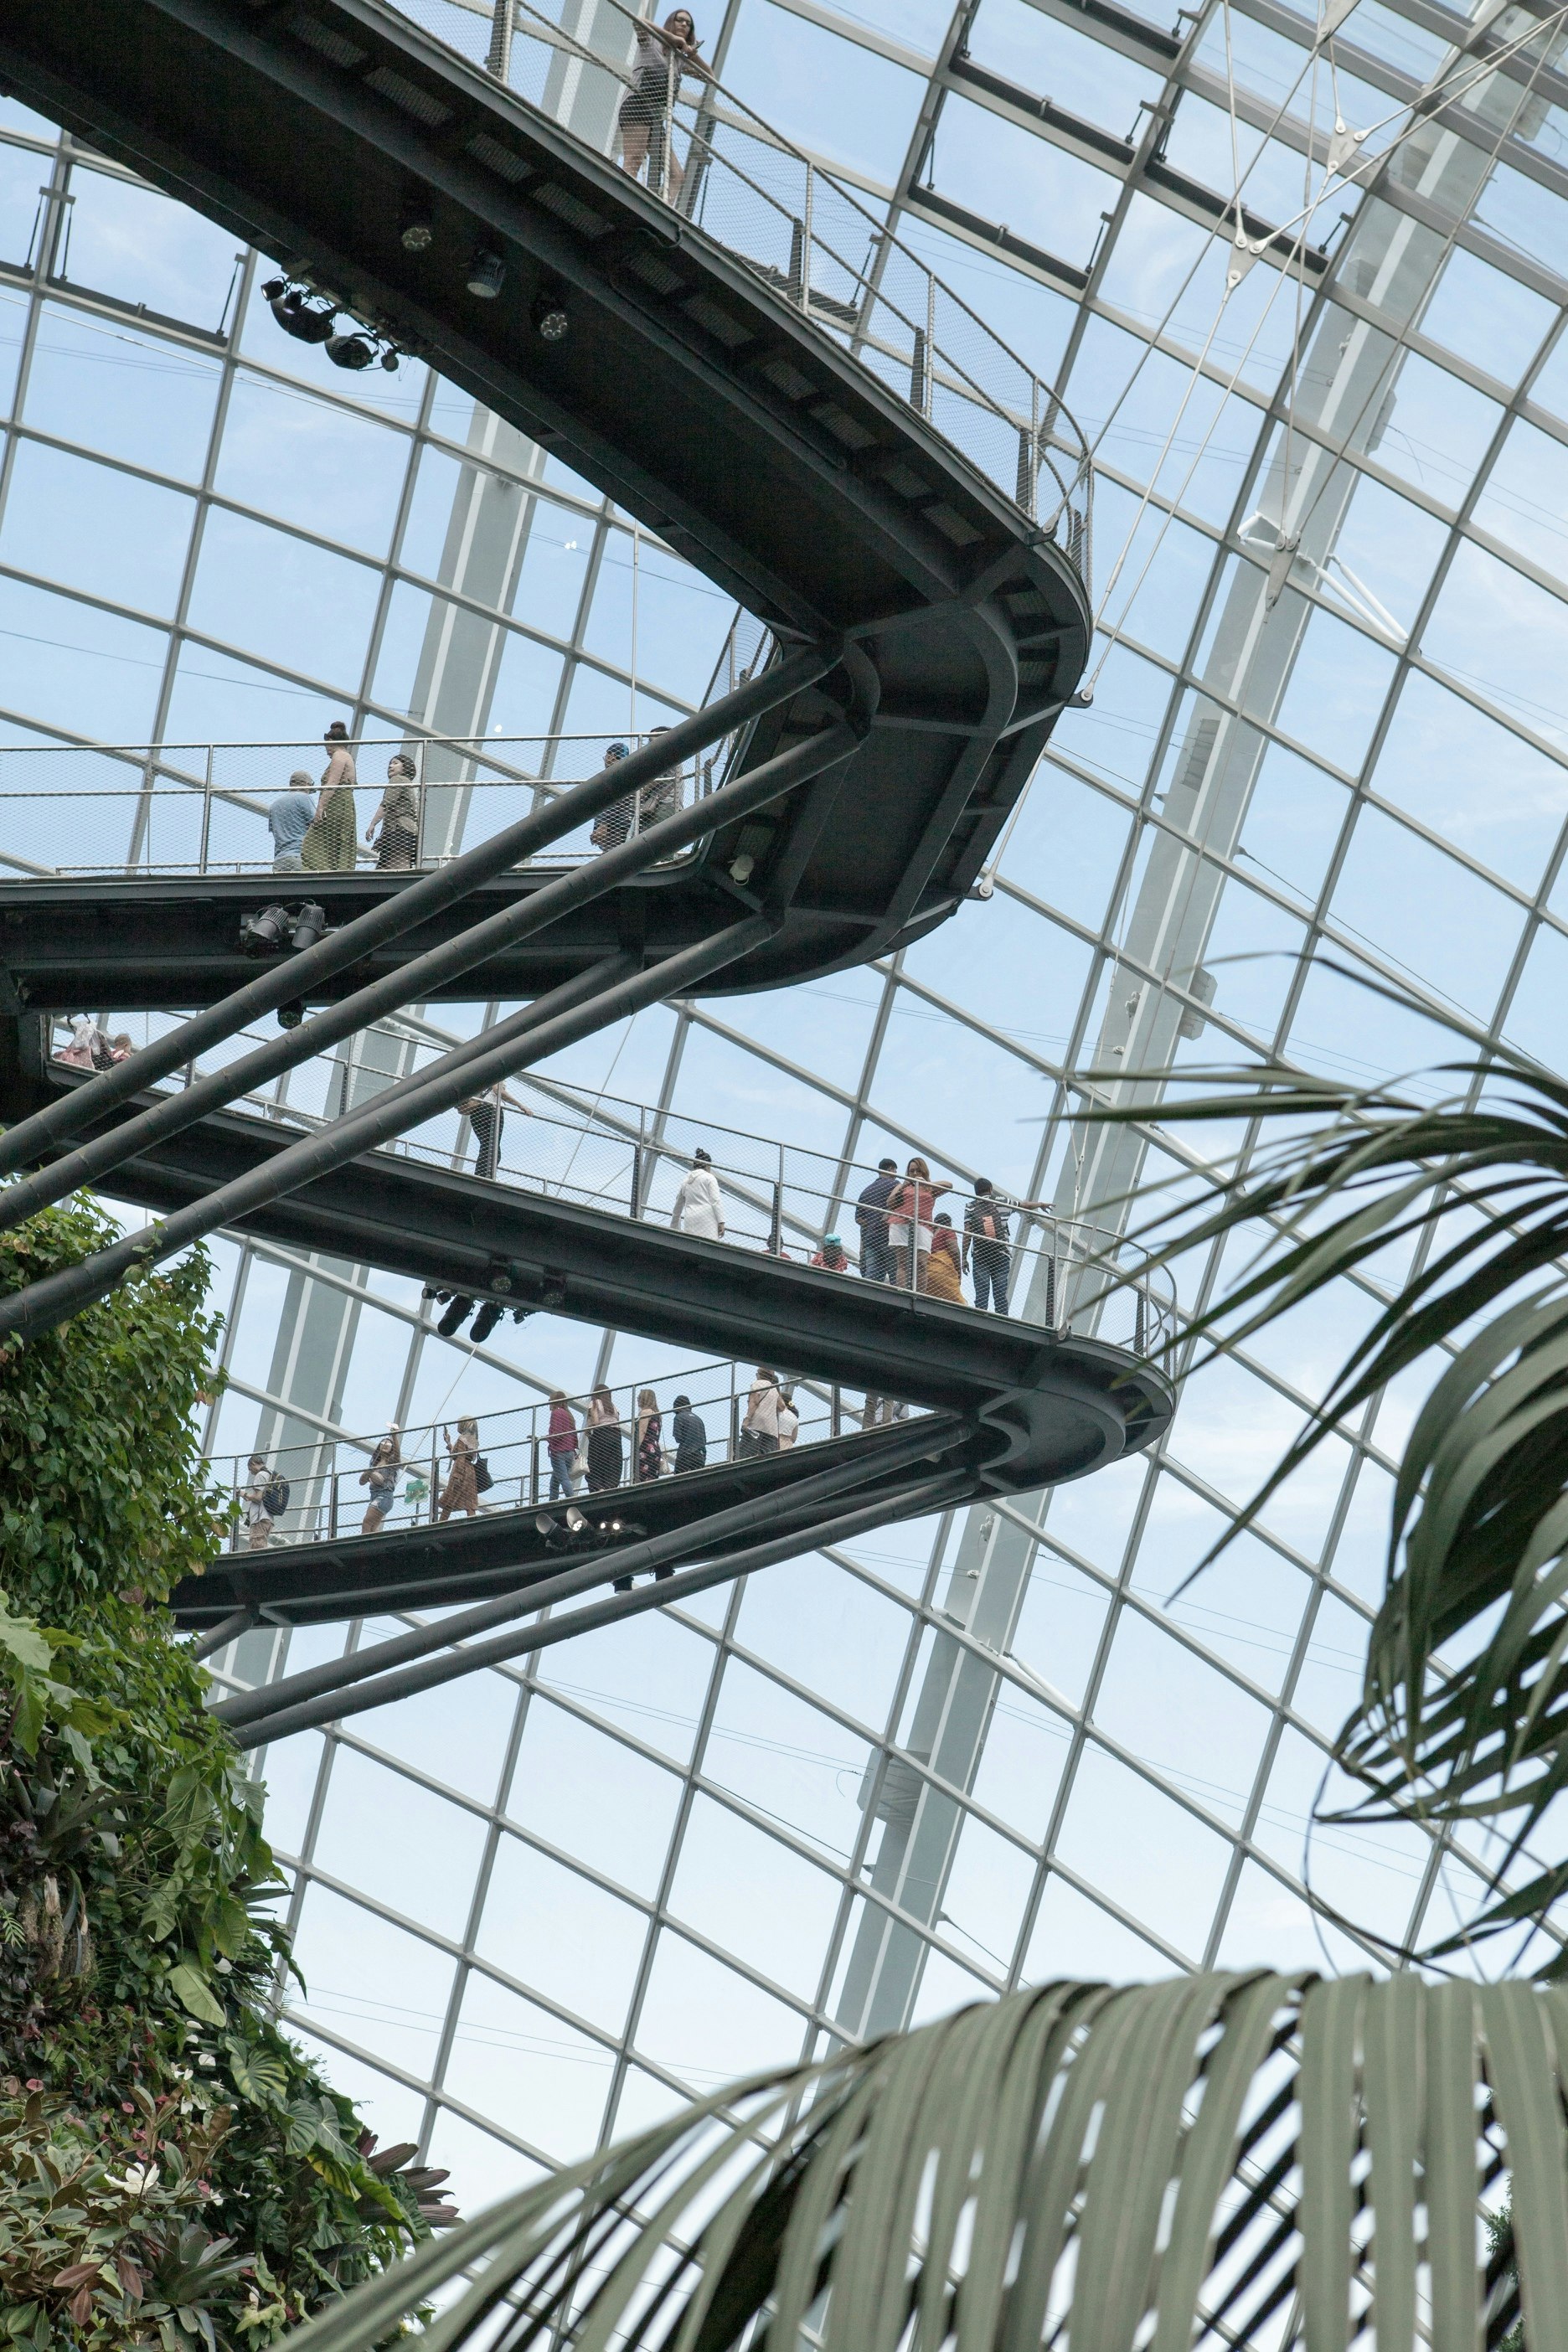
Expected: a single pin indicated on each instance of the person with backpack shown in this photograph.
(264, 1499)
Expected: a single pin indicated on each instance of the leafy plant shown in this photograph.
(1155, 2165)
(1473, 1191)
(173, 2170)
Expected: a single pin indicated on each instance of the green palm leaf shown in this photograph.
(1224, 2158)
(1477, 1550)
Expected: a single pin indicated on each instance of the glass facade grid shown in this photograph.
(536, 1908)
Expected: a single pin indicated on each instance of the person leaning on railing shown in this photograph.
(987, 1242)
(910, 1207)
(382, 1477)
(560, 1444)
(666, 55)
(289, 820)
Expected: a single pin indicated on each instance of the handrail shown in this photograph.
(891, 310)
(328, 1500)
(603, 1153)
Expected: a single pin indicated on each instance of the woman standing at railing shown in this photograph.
(650, 1437)
(330, 844)
(604, 1447)
(665, 54)
(385, 1468)
(397, 816)
(910, 1211)
(461, 1492)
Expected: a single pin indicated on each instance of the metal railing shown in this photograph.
(779, 1199)
(204, 808)
(328, 1479)
(712, 159)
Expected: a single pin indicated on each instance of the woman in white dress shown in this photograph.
(698, 1204)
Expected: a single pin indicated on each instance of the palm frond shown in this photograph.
(1219, 2159)
(1479, 1521)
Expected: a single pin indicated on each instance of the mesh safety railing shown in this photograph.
(333, 1486)
(751, 1191)
(712, 159)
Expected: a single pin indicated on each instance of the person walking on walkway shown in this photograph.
(330, 843)
(605, 1446)
(662, 797)
(760, 1429)
(987, 1242)
(461, 1492)
(385, 1469)
(288, 821)
(560, 1444)
(789, 1420)
(650, 1438)
(911, 1208)
(699, 1203)
(690, 1436)
(397, 816)
(257, 1499)
(486, 1114)
(871, 1216)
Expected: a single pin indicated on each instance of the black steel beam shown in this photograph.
(871, 1463)
(929, 1494)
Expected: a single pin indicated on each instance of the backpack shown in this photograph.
(275, 1495)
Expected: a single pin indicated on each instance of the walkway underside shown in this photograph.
(689, 388)
(1031, 1408)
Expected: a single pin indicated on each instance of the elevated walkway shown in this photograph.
(1018, 1405)
(790, 450)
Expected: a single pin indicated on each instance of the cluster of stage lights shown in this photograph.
(311, 316)
(574, 1525)
(276, 931)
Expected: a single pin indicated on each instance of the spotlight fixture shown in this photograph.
(274, 288)
(266, 933)
(310, 925)
(353, 351)
(552, 319)
(307, 321)
(576, 1524)
(416, 233)
(486, 275)
(485, 1322)
(544, 1525)
(389, 360)
(290, 1015)
(455, 1315)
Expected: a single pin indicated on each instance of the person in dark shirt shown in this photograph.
(871, 1216)
(987, 1242)
(691, 1438)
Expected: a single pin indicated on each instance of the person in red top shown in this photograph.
(832, 1256)
(909, 1214)
(560, 1444)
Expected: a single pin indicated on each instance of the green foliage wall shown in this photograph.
(172, 2172)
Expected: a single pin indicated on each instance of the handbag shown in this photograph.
(482, 1479)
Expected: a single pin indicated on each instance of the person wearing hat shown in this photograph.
(330, 844)
(612, 825)
(833, 1257)
(699, 1203)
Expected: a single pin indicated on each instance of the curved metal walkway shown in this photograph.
(688, 386)
(927, 630)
